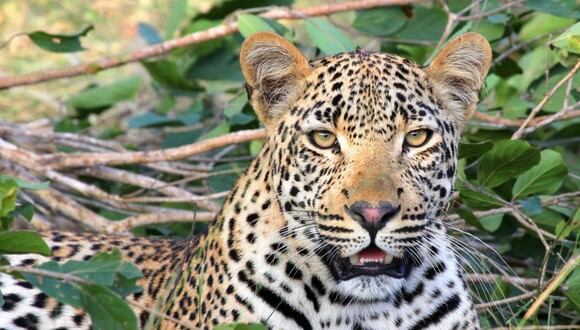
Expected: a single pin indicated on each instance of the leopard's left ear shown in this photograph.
(274, 70)
(458, 72)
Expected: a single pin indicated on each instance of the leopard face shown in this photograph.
(363, 150)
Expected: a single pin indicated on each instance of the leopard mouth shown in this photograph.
(371, 262)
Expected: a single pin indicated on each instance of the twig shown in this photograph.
(159, 218)
(494, 278)
(520, 131)
(490, 12)
(191, 39)
(562, 114)
(147, 199)
(509, 300)
(59, 161)
(504, 122)
(554, 284)
(454, 18)
(57, 202)
(117, 175)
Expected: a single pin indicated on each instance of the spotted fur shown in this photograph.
(266, 257)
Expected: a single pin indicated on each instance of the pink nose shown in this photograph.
(374, 216)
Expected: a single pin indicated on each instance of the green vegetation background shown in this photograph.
(518, 196)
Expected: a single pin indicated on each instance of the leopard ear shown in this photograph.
(274, 70)
(458, 72)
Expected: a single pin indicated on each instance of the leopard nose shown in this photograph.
(372, 217)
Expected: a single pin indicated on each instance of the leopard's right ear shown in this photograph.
(274, 70)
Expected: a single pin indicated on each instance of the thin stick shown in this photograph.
(554, 284)
(494, 278)
(520, 132)
(505, 301)
(504, 122)
(159, 218)
(59, 161)
(191, 39)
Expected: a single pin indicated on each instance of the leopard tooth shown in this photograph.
(388, 258)
(354, 259)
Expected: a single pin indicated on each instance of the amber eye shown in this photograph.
(322, 139)
(418, 137)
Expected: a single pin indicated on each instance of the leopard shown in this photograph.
(337, 222)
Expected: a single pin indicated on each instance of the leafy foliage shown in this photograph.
(514, 194)
(96, 285)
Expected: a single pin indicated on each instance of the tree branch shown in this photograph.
(59, 161)
(191, 39)
(521, 130)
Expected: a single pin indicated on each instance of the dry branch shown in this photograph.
(191, 39)
(59, 161)
(570, 265)
(504, 122)
(520, 132)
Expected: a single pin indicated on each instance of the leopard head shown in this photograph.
(362, 147)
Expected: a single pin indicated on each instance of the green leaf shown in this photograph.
(569, 40)
(241, 119)
(327, 37)
(543, 24)
(107, 309)
(572, 288)
(25, 210)
(176, 17)
(467, 150)
(250, 24)
(255, 147)
(219, 130)
(532, 205)
(32, 185)
(534, 65)
(491, 31)
(106, 95)
(8, 192)
(547, 218)
(149, 33)
(544, 178)
(59, 43)
(469, 217)
(556, 102)
(427, 24)
(478, 200)
(167, 74)
(105, 269)
(380, 21)
(565, 8)
(236, 105)
(63, 292)
(491, 223)
(499, 18)
(150, 119)
(563, 228)
(19, 242)
(506, 160)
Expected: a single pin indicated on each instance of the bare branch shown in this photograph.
(570, 265)
(159, 218)
(59, 161)
(191, 39)
(520, 132)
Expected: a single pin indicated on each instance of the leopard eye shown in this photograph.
(322, 139)
(418, 137)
